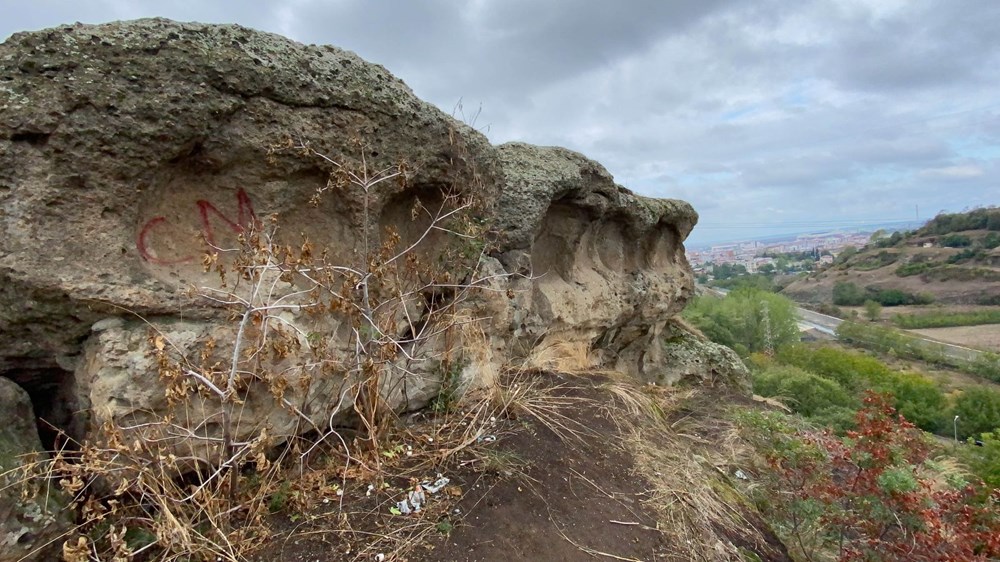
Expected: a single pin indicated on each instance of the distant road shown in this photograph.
(809, 320)
(819, 322)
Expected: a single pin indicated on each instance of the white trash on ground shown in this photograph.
(417, 498)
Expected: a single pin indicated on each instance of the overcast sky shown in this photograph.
(768, 116)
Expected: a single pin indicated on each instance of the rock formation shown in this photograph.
(126, 148)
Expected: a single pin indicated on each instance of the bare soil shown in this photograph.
(985, 337)
(554, 500)
(528, 495)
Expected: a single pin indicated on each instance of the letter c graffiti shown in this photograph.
(141, 244)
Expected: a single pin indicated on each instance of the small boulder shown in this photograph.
(685, 358)
(31, 512)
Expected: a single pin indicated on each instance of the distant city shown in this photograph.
(753, 254)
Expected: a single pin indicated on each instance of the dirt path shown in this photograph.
(557, 480)
(538, 498)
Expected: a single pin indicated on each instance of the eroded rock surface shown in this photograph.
(127, 148)
(608, 265)
(686, 358)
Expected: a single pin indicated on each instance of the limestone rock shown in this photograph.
(129, 149)
(125, 146)
(26, 525)
(121, 144)
(685, 358)
(608, 265)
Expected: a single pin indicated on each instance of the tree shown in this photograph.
(727, 270)
(748, 319)
(978, 411)
(873, 310)
(846, 293)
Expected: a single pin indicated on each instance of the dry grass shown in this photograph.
(774, 402)
(562, 357)
(687, 451)
(524, 394)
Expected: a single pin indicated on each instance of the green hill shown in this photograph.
(953, 259)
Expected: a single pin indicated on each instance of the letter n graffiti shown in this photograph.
(245, 216)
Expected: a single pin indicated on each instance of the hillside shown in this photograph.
(954, 260)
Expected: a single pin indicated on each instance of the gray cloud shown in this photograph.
(765, 115)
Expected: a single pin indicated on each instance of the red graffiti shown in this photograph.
(245, 217)
(141, 244)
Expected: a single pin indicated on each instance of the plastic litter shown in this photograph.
(487, 439)
(741, 475)
(436, 486)
(417, 498)
(403, 507)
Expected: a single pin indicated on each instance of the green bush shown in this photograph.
(847, 253)
(892, 297)
(838, 418)
(886, 340)
(946, 319)
(851, 370)
(739, 321)
(983, 460)
(807, 394)
(966, 255)
(978, 219)
(756, 281)
(896, 297)
(956, 241)
(846, 293)
(873, 310)
(830, 310)
(986, 365)
(961, 273)
(978, 411)
(889, 241)
(918, 398)
(875, 261)
(914, 268)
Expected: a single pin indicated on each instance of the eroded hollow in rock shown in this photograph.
(557, 246)
(51, 392)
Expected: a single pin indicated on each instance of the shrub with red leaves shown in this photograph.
(875, 495)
